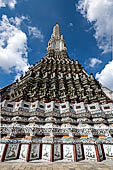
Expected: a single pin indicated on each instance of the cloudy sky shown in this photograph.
(26, 27)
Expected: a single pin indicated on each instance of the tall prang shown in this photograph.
(56, 111)
(57, 77)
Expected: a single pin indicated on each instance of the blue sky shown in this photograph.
(37, 18)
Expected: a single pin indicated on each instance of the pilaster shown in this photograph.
(74, 153)
(40, 152)
(97, 153)
(4, 153)
(52, 153)
(28, 153)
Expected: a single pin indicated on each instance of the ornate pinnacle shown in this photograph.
(56, 42)
(56, 32)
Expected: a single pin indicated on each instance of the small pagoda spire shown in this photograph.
(57, 42)
(56, 31)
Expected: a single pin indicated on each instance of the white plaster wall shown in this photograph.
(12, 151)
(108, 149)
(68, 152)
(57, 151)
(46, 149)
(23, 152)
(89, 151)
(1, 149)
(35, 149)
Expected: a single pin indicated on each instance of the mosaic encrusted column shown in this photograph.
(4, 153)
(28, 153)
(83, 151)
(74, 153)
(104, 157)
(19, 151)
(61, 151)
(97, 153)
(52, 153)
(40, 152)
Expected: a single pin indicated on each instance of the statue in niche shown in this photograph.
(57, 152)
(34, 152)
(89, 152)
(68, 152)
(24, 149)
(46, 152)
(11, 152)
(79, 151)
(108, 151)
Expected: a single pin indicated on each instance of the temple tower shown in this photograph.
(56, 111)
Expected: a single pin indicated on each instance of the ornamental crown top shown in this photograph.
(57, 42)
(56, 31)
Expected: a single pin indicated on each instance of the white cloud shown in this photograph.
(71, 24)
(106, 76)
(13, 45)
(17, 21)
(36, 33)
(94, 62)
(100, 14)
(10, 3)
(17, 77)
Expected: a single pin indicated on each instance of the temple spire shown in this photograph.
(57, 42)
(56, 31)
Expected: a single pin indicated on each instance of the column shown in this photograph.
(104, 157)
(52, 153)
(4, 153)
(74, 153)
(61, 151)
(40, 152)
(19, 151)
(97, 153)
(28, 153)
(83, 151)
